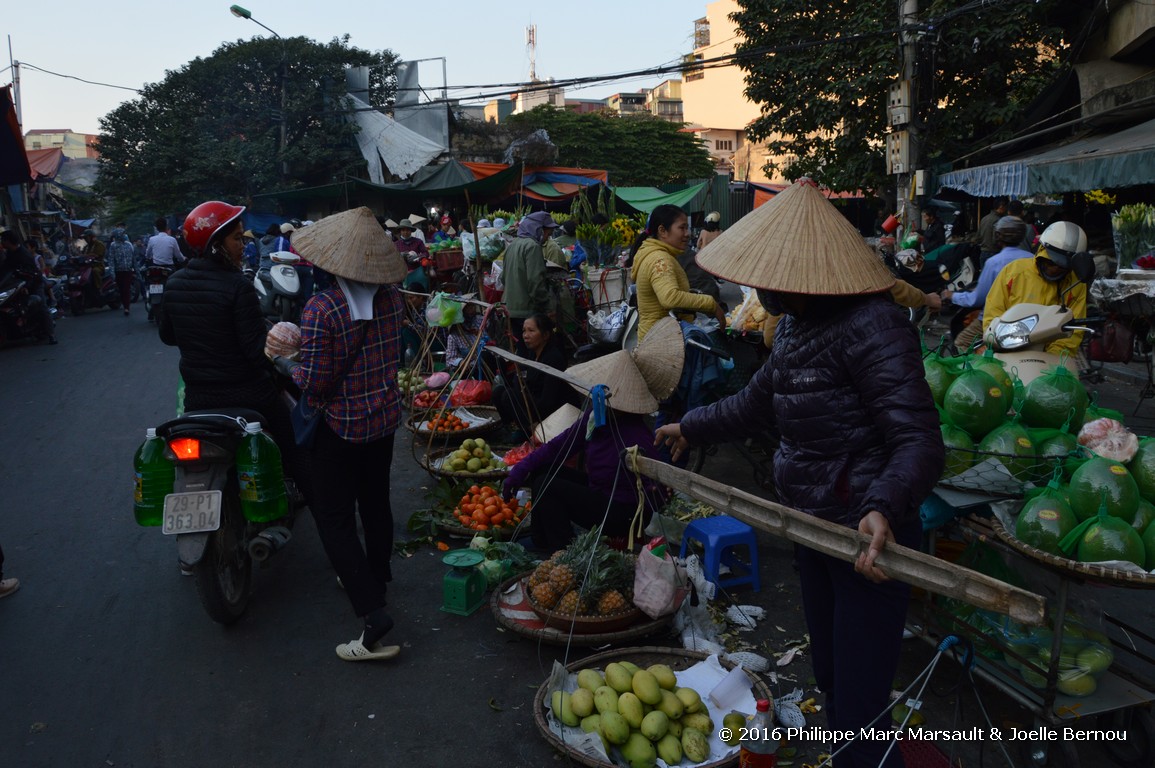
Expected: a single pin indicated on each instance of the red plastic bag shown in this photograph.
(471, 392)
(514, 455)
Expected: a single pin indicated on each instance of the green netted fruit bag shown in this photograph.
(939, 375)
(1049, 400)
(1045, 519)
(975, 403)
(1142, 468)
(960, 450)
(1095, 412)
(1105, 537)
(1106, 483)
(1014, 450)
(1149, 547)
(988, 363)
(1144, 516)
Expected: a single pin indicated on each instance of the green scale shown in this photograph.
(463, 587)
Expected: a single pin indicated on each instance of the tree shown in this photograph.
(636, 150)
(211, 130)
(825, 106)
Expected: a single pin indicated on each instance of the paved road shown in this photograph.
(108, 660)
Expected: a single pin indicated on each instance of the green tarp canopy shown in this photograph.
(443, 181)
(646, 199)
(1111, 161)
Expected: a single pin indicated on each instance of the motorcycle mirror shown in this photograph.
(1083, 265)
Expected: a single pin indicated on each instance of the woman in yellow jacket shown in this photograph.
(661, 282)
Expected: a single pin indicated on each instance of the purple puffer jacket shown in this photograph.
(846, 388)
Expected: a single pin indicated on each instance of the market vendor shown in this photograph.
(461, 337)
(606, 492)
(526, 291)
(860, 439)
(661, 282)
(416, 256)
(535, 394)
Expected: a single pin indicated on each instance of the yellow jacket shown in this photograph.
(663, 286)
(1021, 283)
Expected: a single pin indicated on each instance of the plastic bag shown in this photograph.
(659, 584)
(608, 327)
(1110, 439)
(443, 310)
(471, 392)
(514, 455)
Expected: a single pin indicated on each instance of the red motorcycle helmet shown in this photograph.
(206, 220)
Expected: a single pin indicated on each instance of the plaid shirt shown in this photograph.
(366, 405)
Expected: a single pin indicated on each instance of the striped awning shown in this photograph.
(993, 180)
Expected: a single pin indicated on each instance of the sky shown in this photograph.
(129, 43)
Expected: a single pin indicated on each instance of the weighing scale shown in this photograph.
(463, 587)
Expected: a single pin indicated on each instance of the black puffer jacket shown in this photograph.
(212, 313)
(846, 388)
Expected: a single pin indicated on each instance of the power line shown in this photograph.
(81, 79)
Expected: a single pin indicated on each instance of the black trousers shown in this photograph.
(565, 499)
(351, 479)
(855, 640)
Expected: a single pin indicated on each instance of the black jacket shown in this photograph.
(212, 313)
(845, 386)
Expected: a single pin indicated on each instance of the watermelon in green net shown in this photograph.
(1109, 538)
(1044, 521)
(1149, 547)
(1102, 481)
(1054, 399)
(939, 376)
(1015, 449)
(960, 450)
(1144, 516)
(975, 403)
(1142, 467)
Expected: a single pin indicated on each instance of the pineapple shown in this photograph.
(562, 578)
(540, 574)
(544, 595)
(571, 604)
(611, 602)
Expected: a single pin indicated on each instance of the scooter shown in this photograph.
(279, 287)
(83, 293)
(15, 323)
(1020, 335)
(155, 277)
(204, 511)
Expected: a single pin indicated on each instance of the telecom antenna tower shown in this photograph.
(531, 47)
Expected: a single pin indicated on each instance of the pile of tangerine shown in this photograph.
(483, 508)
(447, 422)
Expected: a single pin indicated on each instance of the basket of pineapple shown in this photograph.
(585, 588)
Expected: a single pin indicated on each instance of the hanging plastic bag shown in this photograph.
(659, 584)
(608, 327)
(471, 392)
(443, 311)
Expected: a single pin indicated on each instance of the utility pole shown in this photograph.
(904, 142)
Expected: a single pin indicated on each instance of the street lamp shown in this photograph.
(245, 13)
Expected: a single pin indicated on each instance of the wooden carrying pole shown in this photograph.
(902, 563)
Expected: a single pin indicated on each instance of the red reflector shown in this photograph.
(186, 448)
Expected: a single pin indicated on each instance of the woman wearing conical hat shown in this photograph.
(860, 441)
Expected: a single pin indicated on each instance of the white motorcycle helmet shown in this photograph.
(1058, 243)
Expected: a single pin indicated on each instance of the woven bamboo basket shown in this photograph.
(676, 658)
(416, 422)
(511, 616)
(1088, 571)
(450, 527)
(431, 459)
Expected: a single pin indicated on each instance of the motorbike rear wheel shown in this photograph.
(224, 574)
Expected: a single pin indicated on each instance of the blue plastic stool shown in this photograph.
(718, 535)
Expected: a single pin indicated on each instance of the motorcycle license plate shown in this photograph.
(156, 288)
(193, 512)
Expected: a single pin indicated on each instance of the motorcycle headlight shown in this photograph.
(1017, 334)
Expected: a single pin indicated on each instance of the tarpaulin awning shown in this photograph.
(547, 183)
(1107, 161)
(45, 163)
(495, 186)
(646, 199)
(384, 140)
(14, 167)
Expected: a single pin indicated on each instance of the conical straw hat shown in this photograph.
(556, 423)
(660, 357)
(797, 243)
(352, 245)
(628, 390)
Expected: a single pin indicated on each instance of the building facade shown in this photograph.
(75, 146)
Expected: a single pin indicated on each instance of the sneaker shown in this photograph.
(8, 586)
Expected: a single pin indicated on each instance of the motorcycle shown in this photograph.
(83, 292)
(15, 323)
(279, 287)
(204, 511)
(155, 277)
(1020, 335)
(953, 267)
